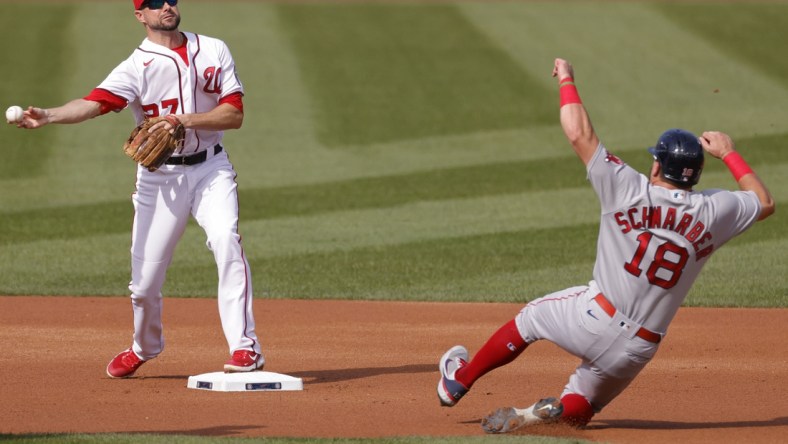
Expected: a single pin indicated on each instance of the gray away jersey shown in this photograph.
(653, 241)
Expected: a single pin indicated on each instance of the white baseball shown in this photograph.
(14, 114)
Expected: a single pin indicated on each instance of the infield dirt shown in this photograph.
(370, 370)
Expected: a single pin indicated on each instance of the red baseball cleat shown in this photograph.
(244, 361)
(124, 364)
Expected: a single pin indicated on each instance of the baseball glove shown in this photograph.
(152, 148)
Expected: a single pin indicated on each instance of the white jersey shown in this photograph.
(189, 88)
(653, 241)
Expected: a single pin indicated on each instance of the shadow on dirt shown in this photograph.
(674, 425)
(346, 374)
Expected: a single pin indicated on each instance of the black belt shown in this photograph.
(193, 159)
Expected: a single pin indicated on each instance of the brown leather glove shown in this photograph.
(152, 149)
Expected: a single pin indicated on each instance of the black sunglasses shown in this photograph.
(158, 4)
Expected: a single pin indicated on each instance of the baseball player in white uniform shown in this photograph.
(655, 235)
(192, 77)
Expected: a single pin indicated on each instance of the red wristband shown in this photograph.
(568, 91)
(737, 165)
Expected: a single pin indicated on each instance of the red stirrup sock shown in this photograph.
(503, 347)
(577, 410)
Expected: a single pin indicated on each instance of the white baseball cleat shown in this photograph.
(506, 419)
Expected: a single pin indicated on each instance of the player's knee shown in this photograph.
(147, 279)
(145, 288)
(577, 410)
(145, 294)
(226, 246)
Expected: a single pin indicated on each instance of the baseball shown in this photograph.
(14, 114)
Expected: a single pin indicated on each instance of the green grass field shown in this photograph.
(400, 150)
(396, 151)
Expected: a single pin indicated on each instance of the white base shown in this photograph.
(243, 382)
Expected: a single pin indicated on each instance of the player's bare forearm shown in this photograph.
(574, 118)
(751, 182)
(75, 111)
(579, 131)
(721, 146)
(223, 117)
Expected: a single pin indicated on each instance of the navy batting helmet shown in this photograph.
(680, 156)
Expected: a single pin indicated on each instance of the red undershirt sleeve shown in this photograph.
(107, 100)
(235, 99)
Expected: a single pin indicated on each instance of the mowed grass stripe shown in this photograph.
(752, 35)
(32, 65)
(385, 72)
(270, 203)
(559, 173)
(739, 276)
(428, 269)
(502, 267)
(752, 285)
(392, 191)
(384, 271)
(344, 230)
(364, 242)
(638, 70)
(378, 227)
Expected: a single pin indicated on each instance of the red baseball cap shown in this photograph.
(138, 3)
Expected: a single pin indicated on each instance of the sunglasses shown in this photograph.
(157, 4)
